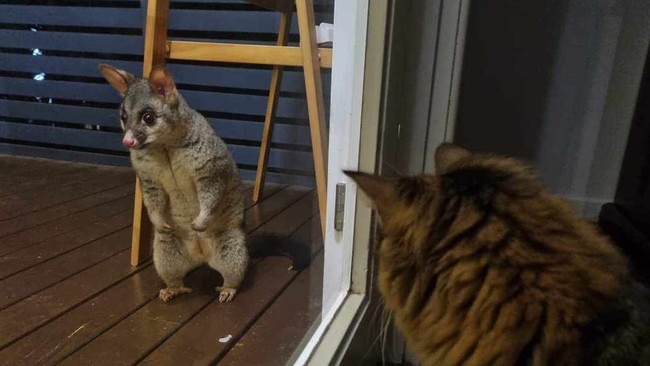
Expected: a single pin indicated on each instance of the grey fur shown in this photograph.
(190, 183)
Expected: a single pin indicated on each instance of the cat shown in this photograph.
(481, 265)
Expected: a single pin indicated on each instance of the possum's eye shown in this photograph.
(123, 118)
(148, 118)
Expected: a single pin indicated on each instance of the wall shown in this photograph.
(54, 103)
(555, 82)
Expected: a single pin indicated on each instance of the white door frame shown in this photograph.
(348, 62)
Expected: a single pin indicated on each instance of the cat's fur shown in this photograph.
(189, 181)
(481, 265)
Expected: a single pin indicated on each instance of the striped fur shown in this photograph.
(481, 265)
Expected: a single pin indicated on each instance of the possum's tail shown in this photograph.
(265, 245)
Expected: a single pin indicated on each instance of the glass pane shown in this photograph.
(69, 292)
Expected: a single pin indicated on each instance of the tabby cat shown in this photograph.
(481, 265)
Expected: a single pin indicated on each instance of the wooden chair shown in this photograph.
(158, 48)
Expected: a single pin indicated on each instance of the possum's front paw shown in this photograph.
(165, 228)
(160, 223)
(201, 222)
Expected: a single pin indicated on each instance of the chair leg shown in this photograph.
(154, 54)
(274, 93)
(141, 234)
(315, 102)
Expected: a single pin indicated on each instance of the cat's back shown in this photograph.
(620, 335)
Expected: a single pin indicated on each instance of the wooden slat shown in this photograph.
(225, 21)
(68, 41)
(60, 113)
(90, 319)
(34, 311)
(202, 20)
(103, 93)
(234, 103)
(62, 228)
(243, 53)
(138, 333)
(244, 130)
(62, 136)
(209, 75)
(71, 15)
(52, 213)
(278, 158)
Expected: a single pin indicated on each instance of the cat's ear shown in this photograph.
(380, 190)
(119, 79)
(162, 83)
(447, 154)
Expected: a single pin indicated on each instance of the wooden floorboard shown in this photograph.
(96, 315)
(40, 308)
(146, 329)
(16, 184)
(16, 205)
(274, 337)
(58, 245)
(64, 209)
(64, 227)
(28, 167)
(69, 295)
(26, 283)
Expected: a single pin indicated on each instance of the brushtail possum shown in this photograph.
(190, 184)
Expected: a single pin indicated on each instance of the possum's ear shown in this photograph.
(119, 79)
(162, 83)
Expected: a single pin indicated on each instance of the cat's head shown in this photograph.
(412, 209)
(149, 112)
(402, 201)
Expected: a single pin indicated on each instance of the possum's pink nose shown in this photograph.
(128, 141)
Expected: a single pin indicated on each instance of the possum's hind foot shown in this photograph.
(169, 293)
(226, 294)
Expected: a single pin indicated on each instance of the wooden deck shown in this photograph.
(69, 296)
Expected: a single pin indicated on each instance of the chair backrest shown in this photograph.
(284, 6)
